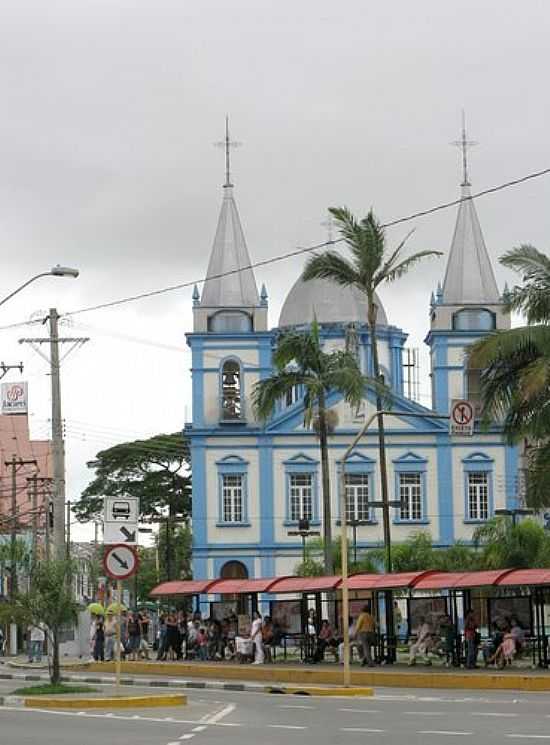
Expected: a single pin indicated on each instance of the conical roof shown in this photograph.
(229, 257)
(469, 276)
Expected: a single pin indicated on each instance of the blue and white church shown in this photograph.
(253, 481)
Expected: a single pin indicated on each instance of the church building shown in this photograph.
(253, 481)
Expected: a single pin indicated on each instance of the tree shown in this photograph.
(156, 471)
(165, 560)
(515, 368)
(49, 601)
(370, 266)
(300, 361)
(369, 562)
(505, 545)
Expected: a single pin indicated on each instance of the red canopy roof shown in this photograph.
(385, 581)
(241, 586)
(516, 577)
(181, 587)
(305, 584)
(450, 580)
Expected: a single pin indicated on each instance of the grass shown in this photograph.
(48, 689)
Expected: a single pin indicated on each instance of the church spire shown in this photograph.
(230, 281)
(469, 277)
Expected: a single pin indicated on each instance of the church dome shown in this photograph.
(328, 302)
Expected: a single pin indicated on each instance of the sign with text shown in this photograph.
(461, 420)
(15, 398)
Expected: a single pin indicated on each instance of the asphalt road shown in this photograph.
(395, 717)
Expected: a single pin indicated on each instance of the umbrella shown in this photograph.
(97, 609)
(116, 608)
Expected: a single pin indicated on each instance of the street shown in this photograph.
(392, 716)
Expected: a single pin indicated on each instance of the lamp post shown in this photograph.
(344, 529)
(514, 513)
(354, 524)
(56, 271)
(304, 532)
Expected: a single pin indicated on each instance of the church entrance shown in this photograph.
(235, 570)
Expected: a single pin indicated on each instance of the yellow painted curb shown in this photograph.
(112, 702)
(316, 691)
(312, 676)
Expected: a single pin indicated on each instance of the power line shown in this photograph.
(296, 252)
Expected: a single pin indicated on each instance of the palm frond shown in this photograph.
(330, 265)
(533, 297)
(402, 268)
(268, 392)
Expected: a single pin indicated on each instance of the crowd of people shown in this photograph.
(178, 635)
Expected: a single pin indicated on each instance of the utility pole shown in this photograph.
(33, 483)
(15, 463)
(69, 529)
(58, 445)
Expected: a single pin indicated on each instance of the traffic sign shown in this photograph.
(121, 510)
(461, 420)
(120, 561)
(116, 533)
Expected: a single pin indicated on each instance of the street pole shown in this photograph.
(13, 541)
(34, 487)
(118, 637)
(68, 529)
(58, 447)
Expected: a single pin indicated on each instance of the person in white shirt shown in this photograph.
(256, 636)
(36, 646)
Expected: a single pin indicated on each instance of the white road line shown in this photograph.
(285, 726)
(221, 714)
(362, 711)
(531, 737)
(363, 729)
(443, 732)
(426, 713)
(188, 736)
(119, 717)
(295, 706)
(492, 714)
(200, 728)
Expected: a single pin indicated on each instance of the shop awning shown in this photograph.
(305, 584)
(399, 580)
(242, 586)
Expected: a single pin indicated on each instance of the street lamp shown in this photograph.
(514, 513)
(304, 532)
(56, 271)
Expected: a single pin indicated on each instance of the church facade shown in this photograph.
(253, 481)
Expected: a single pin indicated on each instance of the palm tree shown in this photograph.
(516, 369)
(370, 266)
(300, 361)
(504, 544)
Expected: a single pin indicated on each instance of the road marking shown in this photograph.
(188, 736)
(363, 729)
(295, 706)
(285, 726)
(531, 737)
(426, 713)
(362, 711)
(492, 714)
(443, 732)
(119, 717)
(200, 728)
(221, 714)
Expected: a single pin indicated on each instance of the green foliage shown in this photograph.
(367, 561)
(49, 601)
(19, 554)
(156, 471)
(505, 545)
(174, 560)
(49, 689)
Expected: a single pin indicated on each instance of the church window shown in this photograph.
(357, 497)
(410, 495)
(231, 394)
(292, 395)
(473, 387)
(478, 495)
(232, 488)
(301, 496)
(474, 319)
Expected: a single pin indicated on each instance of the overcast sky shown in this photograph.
(109, 112)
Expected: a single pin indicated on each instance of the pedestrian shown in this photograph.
(492, 644)
(161, 652)
(471, 639)
(256, 637)
(172, 636)
(134, 636)
(36, 642)
(366, 633)
(144, 641)
(325, 639)
(110, 636)
(448, 634)
(424, 637)
(202, 644)
(267, 638)
(99, 640)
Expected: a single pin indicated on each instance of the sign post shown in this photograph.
(461, 420)
(119, 562)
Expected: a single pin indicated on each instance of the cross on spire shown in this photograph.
(329, 225)
(463, 144)
(227, 144)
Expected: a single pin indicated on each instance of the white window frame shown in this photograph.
(233, 486)
(478, 485)
(411, 496)
(358, 488)
(301, 495)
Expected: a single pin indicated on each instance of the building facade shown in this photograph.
(253, 481)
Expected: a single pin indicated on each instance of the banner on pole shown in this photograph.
(15, 398)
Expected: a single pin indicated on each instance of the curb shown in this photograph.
(317, 691)
(124, 702)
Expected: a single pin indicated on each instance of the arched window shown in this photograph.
(231, 402)
(474, 319)
(234, 570)
(227, 321)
